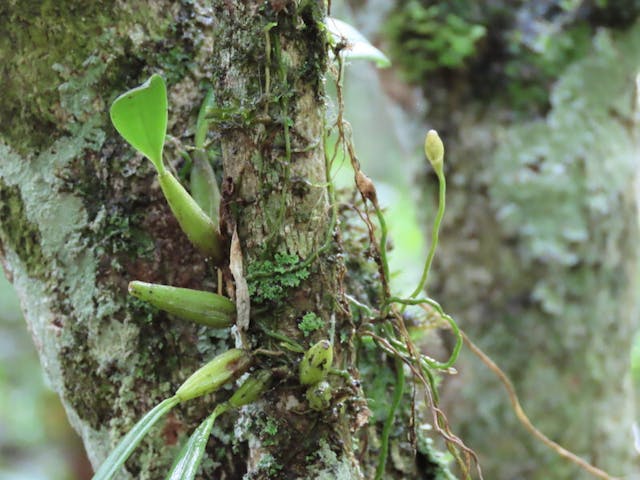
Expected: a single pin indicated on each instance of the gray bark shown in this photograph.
(538, 256)
(81, 215)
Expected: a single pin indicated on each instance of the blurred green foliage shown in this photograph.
(36, 442)
(517, 47)
(433, 36)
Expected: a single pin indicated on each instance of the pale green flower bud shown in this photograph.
(434, 150)
(223, 368)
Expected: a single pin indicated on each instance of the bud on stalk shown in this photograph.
(214, 374)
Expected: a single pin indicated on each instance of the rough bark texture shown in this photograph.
(82, 215)
(538, 257)
(269, 83)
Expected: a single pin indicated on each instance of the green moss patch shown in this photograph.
(22, 236)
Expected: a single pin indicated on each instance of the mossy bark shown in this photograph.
(270, 83)
(82, 215)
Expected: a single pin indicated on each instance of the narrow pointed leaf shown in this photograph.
(252, 388)
(130, 441)
(205, 308)
(188, 460)
(202, 124)
(140, 116)
(200, 229)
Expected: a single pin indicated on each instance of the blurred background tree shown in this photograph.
(538, 257)
(36, 441)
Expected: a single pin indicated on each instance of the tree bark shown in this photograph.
(81, 215)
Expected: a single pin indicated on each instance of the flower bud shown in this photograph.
(316, 363)
(434, 150)
(214, 374)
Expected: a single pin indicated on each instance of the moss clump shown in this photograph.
(310, 322)
(94, 406)
(57, 31)
(22, 236)
(269, 280)
(269, 465)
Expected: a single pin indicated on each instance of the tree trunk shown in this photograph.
(538, 256)
(82, 215)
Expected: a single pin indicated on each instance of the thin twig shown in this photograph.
(524, 420)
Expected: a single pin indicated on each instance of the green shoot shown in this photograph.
(204, 186)
(386, 429)
(140, 116)
(188, 460)
(202, 124)
(205, 308)
(199, 228)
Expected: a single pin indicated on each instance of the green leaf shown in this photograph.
(140, 116)
(356, 45)
(186, 464)
(119, 455)
(202, 124)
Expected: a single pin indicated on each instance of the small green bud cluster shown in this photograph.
(314, 368)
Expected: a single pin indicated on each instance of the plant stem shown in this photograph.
(442, 190)
(386, 430)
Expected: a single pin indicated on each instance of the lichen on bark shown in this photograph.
(81, 215)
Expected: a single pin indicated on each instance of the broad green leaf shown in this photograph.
(121, 453)
(356, 45)
(186, 464)
(140, 116)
